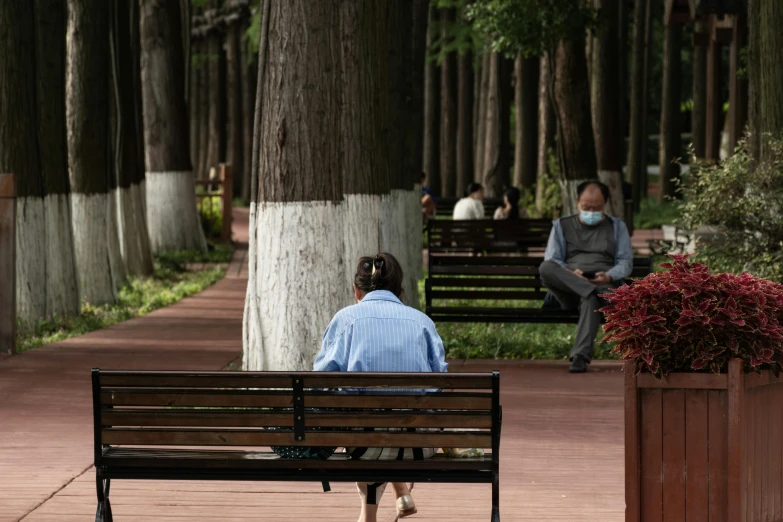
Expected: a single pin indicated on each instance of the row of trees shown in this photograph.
(93, 123)
(589, 80)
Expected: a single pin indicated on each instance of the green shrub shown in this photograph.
(653, 214)
(210, 213)
(744, 202)
(552, 200)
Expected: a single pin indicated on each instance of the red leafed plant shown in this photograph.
(688, 319)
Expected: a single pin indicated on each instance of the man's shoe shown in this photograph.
(578, 365)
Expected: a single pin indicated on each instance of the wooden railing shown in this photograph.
(7, 264)
(221, 188)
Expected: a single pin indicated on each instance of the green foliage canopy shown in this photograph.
(531, 27)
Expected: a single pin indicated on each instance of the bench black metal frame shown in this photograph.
(496, 278)
(216, 426)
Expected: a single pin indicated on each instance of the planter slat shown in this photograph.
(758, 449)
(632, 498)
(737, 456)
(673, 414)
(696, 432)
(651, 456)
(698, 381)
(718, 436)
(777, 451)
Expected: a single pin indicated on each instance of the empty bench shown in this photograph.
(501, 280)
(219, 426)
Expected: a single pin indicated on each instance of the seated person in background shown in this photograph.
(380, 334)
(428, 200)
(510, 208)
(471, 206)
(588, 254)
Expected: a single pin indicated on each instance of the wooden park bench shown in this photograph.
(495, 278)
(166, 425)
(487, 236)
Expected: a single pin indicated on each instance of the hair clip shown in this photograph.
(377, 264)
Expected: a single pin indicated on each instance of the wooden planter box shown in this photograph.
(704, 447)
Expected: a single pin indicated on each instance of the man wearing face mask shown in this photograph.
(588, 254)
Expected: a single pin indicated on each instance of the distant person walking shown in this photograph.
(510, 208)
(472, 205)
(429, 202)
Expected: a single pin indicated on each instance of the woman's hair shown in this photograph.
(512, 194)
(382, 272)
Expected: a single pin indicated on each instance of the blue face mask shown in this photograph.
(590, 218)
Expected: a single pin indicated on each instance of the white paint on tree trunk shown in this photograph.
(568, 191)
(30, 259)
(396, 238)
(362, 230)
(414, 238)
(172, 218)
(92, 229)
(62, 291)
(132, 231)
(118, 268)
(296, 282)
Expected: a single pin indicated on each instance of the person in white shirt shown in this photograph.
(471, 206)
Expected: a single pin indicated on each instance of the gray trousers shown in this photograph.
(573, 292)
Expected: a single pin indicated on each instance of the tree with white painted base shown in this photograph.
(172, 218)
(100, 270)
(297, 271)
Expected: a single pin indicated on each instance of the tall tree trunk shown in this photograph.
(670, 141)
(203, 108)
(215, 130)
(623, 12)
(607, 103)
(465, 124)
(249, 74)
(62, 293)
(481, 120)
(89, 149)
(448, 112)
(431, 160)
(636, 161)
(546, 131)
(498, 134)
(699, 110)
(365, 109)
(296, 232)
(20, 154)
(526, 72)
(193, 98)
(171, 195)
(236, 110)
(647, 121)
(134, 243)
(576, 148)
(765, 74)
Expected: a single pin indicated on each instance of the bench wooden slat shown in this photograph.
(485, 270)
(270, 399)
(258, 419)
(238, 459)
(249, 437)
(485, 282)
(153, 379)
(497, 295)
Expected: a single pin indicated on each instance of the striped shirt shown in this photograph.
(380, 334)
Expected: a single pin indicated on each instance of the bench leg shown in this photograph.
(103, 513)
(496, 499)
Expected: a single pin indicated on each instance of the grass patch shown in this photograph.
(654, 214)
(509, 341)
(170, 283)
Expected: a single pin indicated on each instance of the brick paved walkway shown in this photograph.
(561, 452)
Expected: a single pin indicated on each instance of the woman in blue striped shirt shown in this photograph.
(380, 334)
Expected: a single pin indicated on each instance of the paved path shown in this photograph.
(561, 451)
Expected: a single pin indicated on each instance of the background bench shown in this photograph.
(216, 426)
(487, 235)
(495, 278)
